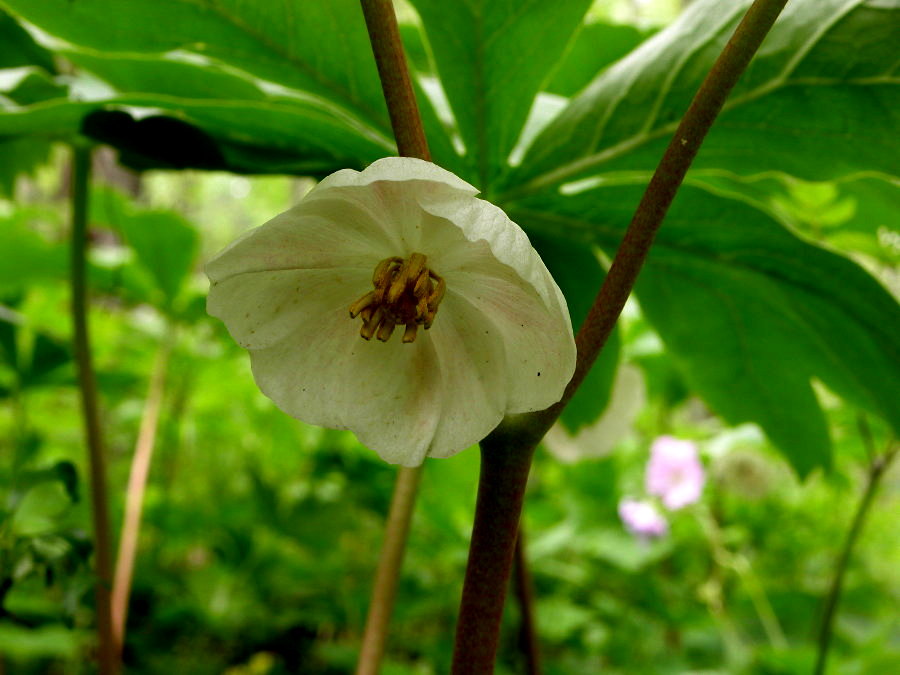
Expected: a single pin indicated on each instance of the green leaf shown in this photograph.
(750, 312)
(27, 257)
(857, 212)
(23, 85)
(18, 49)
(808, 94)
(164, 243)
(238, 88)
(597, 46)
(252, 136)
(20, 156)
(273, 92)
(48, 354)
(63, 472)
(578, 273)
(493, 57)
(318, 47)
(35, 356)
(29, 84)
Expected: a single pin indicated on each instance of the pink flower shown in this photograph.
(674, 472)
(642, 518)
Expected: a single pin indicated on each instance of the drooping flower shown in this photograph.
(403, 246)
(674, 472)
(642, 518)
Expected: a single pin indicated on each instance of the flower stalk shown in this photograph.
(390, 59)
(108, 659)
(524, 590)
(393, 72)
(390, 563)
(878, 465)
(134, 497)
(507, 452)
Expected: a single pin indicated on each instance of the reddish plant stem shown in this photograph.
(524, 590)
(507, 452)
(390, 60)
(387, 48)
(108, 651)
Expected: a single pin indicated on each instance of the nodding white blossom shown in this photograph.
(394, 303)
(674, 472)
(642, 518)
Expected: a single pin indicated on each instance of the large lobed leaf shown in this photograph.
(270, 87)
(493, 56)
(751, 312)
(824, 84)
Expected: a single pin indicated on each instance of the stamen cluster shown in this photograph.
(406, 293)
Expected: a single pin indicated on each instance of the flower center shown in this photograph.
(406, 292)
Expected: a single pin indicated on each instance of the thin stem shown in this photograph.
(877, 467)
(507, 452)
(108, 651)
(387, 48)
(744, 570)
(134, 497)
(760, 600)
(384, 35)
(390, 563)
(524, 590)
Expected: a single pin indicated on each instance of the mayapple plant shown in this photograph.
(393, 302)
(317, 293)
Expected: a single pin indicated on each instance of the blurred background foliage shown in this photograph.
(260, 534)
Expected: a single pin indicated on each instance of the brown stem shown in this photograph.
(524, 590)
(134, 497)
(387, 49)
(395, 83)
(390, 563)
(108, 651)
(507, 452)
(877, 467)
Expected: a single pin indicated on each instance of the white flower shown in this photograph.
(482, 329)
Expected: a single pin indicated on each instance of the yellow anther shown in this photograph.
(362, 304)
(435, 298)
(406, 292)
(386, 330)
(369, 327)
(423, 285)
(409, 272)
(383, 270)
(409, 335)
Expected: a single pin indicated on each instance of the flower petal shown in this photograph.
(262, 308)
(540, 352)
(312, 235)
(473, 382)
(480, 220)
(398, 170)
(387, 393)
